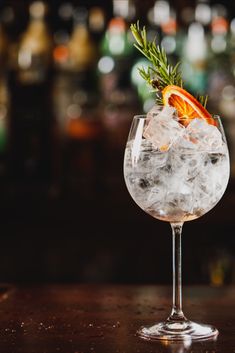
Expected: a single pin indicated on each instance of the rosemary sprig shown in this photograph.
(160, 73)
(203, 100)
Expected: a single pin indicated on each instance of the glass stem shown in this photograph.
(177, 313)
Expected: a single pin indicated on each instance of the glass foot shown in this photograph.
(178, 331)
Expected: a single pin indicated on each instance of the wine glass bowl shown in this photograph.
(176, 183)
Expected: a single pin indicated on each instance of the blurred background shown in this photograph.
(69, 88)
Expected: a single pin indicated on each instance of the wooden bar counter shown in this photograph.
(104, 318)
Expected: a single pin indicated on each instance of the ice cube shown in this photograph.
(163, 129)
(147, 160)
(155, 110)
(179, 196)
(158, 110)
(179, 201)
(186, 162)
(199, 135)
(155, 197)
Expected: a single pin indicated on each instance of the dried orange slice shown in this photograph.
(187, 106)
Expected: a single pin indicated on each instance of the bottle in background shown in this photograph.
(34, 54)
(30, 82)
(221, 81)
(64, 26)
(76, 128)
(97, 22)
(220, 73)
(195, 59)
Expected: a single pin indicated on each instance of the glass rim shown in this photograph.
(144, 116)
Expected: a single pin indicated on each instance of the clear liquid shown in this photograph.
(178, 185)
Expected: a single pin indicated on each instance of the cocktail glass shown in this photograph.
(175, 185)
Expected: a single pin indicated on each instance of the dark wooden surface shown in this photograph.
(104, 319)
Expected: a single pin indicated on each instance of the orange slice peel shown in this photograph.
(187, 106)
